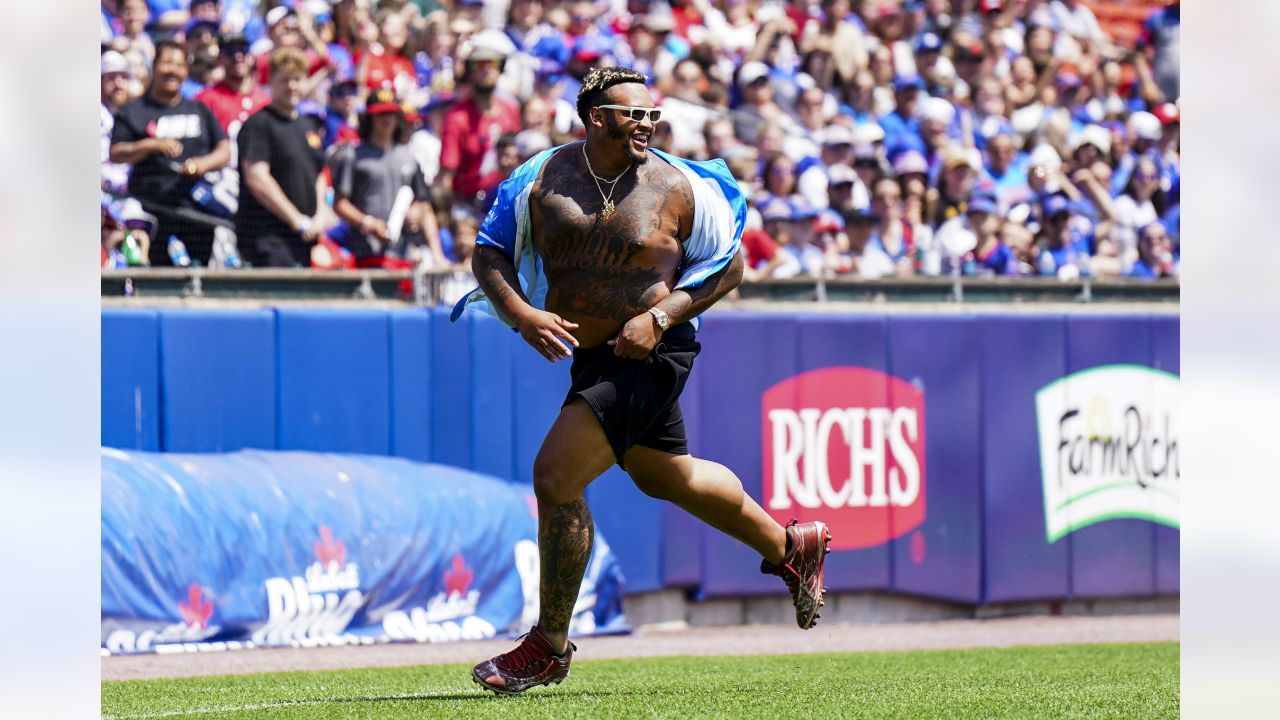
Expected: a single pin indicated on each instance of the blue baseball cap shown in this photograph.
(775, 208)
(1055, 205)
(802, 210)
(906, 82)
(983, 203)
(928, 42)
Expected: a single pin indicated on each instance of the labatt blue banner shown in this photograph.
(259, 549)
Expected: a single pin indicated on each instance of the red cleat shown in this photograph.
(532, 663)
(801, 568)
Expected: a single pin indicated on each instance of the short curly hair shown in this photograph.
(600, 80)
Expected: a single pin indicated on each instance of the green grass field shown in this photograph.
(1065, 681)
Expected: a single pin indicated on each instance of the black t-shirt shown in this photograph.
(192, 123)
(293, 147)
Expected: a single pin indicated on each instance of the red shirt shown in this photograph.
(758, 247)
(468, 140)
(230, 107)
(383, 69)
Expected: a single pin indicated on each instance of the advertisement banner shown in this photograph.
(265, 549)
(1109, 447)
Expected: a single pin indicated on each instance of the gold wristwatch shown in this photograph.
(664, 320)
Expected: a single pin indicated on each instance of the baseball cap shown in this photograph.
(752, 71)
(907, 82)
(383, 100)
(1046, 157)
(1067, 79)
(114, 62)
(938, 110)
(841, 174)
(1168, 113)
(957, 157)
(868, 133)
(775, 208)
(488, 44)
(972, 51)
(984, 203)
(200, 23)
(1145, 126)
(278, 13)
(1054, 205)
(802, 210)
(910, 162)
(1094, 135)
(928, 42)
(837, 135)
(865, 151)
(987, 6)
(531, 142)
(439, 100)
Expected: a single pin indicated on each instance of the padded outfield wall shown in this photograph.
(978, 459)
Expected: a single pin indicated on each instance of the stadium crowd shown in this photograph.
(874, 138)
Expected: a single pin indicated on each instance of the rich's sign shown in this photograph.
(845, 445)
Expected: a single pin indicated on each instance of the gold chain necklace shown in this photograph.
(608, 199)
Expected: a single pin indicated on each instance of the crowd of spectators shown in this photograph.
(873, 137)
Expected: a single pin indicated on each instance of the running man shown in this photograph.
(606, 251)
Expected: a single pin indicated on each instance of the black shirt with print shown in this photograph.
(293, 147)
(156, 178)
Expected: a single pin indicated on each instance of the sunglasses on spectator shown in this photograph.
(866, 163)
(1148, 176)
(486, 63)
(638, 114)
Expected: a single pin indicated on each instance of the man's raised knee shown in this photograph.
(552, 485)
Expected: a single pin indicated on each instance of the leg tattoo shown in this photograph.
(565, 534)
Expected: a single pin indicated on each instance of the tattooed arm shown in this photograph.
(682, 305)
(542, 330)
(640, 335)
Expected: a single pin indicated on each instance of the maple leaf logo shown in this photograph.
(458, 579)
(329, 550)
(195, 609)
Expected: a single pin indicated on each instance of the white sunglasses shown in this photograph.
(637, 114)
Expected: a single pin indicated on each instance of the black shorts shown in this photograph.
(637, 401)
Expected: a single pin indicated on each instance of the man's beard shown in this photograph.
(616, 133)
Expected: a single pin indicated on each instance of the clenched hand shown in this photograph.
(637, 338)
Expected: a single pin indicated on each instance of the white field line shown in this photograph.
(278, 704)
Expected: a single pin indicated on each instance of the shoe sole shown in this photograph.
(509, 693)
(810, 620)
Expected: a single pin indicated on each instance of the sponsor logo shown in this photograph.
(450, 615)
(194, 627)
(316, 608)
(1109, 447)
(845, 445)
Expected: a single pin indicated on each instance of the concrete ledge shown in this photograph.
(673, 609)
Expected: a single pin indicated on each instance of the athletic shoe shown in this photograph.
(801, 568)
(532, 663)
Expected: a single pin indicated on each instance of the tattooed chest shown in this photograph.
(613, 268)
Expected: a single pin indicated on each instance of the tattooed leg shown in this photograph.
(565, 533)
(574, 453)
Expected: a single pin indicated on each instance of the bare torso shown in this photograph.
(603, 273)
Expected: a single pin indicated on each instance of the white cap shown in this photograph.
(1145, 126)
(114, 62)
(837, 135)
(488, 43)
(752, 71)
(837, 174)
(276, 14)
(868, 133)
(1095, 135)
(1046, 157)
(938, 110)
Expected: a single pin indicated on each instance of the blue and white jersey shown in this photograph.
(719, 217)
